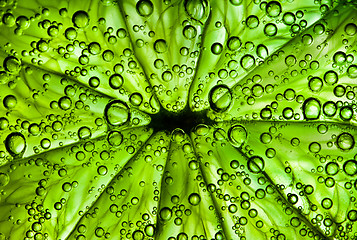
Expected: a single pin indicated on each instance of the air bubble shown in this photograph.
(332, 168)
(22, 22)
(4, 123)
(350, 167)
(346, 113)
(108, 55)
(326, 203)
(117, 113)
(66, 187)
(220, 98)
(94, 82)
(150, 230)
(234, 43)
(266, 113)
(293, 198)
(288, 113)
(270, 30)
(99, 232)
(252, 21)
(331, 77)
(144, 8)
(311, 109)
(194, 199)
(116, 81)
(232, 208)
(136, 99)
(273, 9)
(115, 138)
(289, 18)
(71, 33)
(165, 214)
(80, 19)
(315, 147)
(307, 39)
(266, 138)
(12, 64)
(322, 128)
(216, 48)
(352, 215)
(42, 46)
(94, 48)
(35, 129)
(10, 102)
(352, 71)
(345, 141)
(197, 9)
(178, 135)
(236, 2)
(237, 135)
(65, 103)
(247, 62)
(167, 76)
(102, 170)
(189, 32)
(4, 179)
(45, 143)
(256, 164)
(350, 29)
(262, 51)
(315, 84)
(339, 58)
(319, 29)
(138, 235)
(160, 46)
(8, 20)
(15, 143)
(84, 133)
(339, 91)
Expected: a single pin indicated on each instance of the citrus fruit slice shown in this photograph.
(178, 119)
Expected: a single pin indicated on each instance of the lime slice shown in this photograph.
(178, 119)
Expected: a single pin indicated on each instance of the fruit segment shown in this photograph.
(127, 207)
(166, 37)
(48, 194)
(240, 36)
(86, 42)
(185, 212)
(310, 78)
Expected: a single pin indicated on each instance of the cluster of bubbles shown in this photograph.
(234, 188)
(313, 106)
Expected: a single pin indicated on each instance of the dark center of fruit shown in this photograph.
(186, 120)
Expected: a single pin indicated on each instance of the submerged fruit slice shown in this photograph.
(178, 119)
